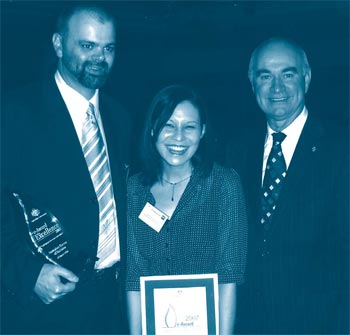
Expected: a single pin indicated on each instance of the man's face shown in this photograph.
(280, 82)
(86, 52)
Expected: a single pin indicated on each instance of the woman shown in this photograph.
(206, 228)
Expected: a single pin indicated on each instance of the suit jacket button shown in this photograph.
(93, 200)
(267, 226)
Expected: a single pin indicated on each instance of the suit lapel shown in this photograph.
(113, 130)
(63, 148)
(301, 164)
(63, 135)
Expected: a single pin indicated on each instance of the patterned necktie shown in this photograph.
(275, 173)
(97, 161)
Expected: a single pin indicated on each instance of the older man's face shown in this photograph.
(279, 82)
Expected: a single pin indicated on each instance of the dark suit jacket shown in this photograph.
(42, 158)
(301, 286)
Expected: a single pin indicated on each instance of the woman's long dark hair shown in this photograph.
(159, 112)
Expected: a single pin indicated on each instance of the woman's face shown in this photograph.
(179, 139)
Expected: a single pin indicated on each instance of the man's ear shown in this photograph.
(307, 79)
(250, 77)
(57, 44)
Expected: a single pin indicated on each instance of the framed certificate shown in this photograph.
(185, 304)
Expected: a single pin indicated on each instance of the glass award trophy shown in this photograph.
(46, 234)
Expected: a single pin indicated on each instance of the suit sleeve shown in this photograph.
(20, 268)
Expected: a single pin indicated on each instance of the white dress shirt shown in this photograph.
(289, 144)
(77, 106)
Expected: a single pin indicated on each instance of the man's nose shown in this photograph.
(277, 84)
(99, 55)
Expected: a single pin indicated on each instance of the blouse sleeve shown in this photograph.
(136, 265)
(233, 229)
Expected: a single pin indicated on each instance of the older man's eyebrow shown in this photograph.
(290, 69)
(261, 71)
(287, 69)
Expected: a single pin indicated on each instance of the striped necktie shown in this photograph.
(97, 161)
(275, 173)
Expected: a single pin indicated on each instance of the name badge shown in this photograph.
(153, 217)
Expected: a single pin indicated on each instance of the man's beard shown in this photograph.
(93, 80)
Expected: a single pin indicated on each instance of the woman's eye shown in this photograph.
(169, 126)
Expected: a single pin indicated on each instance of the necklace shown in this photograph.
(174, 184)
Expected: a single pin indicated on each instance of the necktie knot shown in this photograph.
(278, 138)
(90, 113)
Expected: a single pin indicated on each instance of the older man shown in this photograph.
(64, 150)
(295, 175)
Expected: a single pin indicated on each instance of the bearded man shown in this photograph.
(64, 148)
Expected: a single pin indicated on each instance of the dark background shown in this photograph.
(205, 44)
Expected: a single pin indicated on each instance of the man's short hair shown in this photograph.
(296, 46)
(96, 11)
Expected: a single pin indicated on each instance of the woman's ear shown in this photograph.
(203, 131)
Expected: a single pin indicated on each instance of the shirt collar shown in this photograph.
(295, 128)
(73, 99)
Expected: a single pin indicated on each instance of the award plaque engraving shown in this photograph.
(47, 236)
